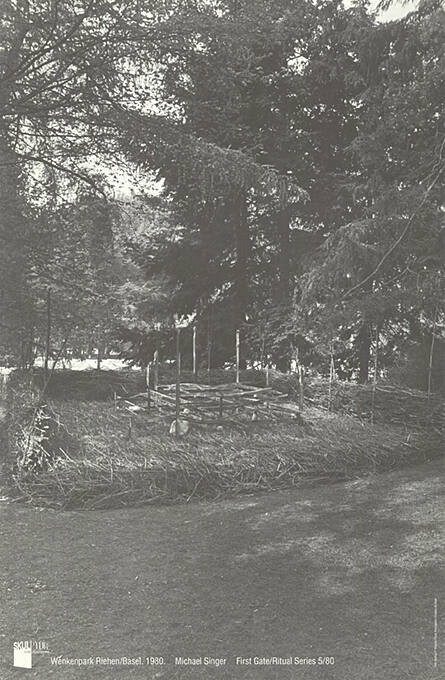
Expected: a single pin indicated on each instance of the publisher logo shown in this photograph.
(25, 649)
(22, 654)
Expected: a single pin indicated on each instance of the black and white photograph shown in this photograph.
(222, 339)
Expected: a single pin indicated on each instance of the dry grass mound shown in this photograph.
(383, 403)
(106, 458)
(96, 456)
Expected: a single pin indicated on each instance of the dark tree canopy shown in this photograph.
(299, 151)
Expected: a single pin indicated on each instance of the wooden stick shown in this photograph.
(300, 386)
(194, 386)
(209, 347)
(241, 395)
(48, 333)
(331, 377)
(133, 396)
(208, 388)
(156, 374)
(374, 382)
(178, 379)
(237, 356)
(130, 403)
(430, 365)
(162, 395)
(147, 382)
(195, 362)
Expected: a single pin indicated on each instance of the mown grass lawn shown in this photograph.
(347, 570)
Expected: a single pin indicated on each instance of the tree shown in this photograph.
(74, 277)
(231, 77)
(380, 272)
(59, 63)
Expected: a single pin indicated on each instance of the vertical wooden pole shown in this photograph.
(195, 362)
(301, 386)
(48, 332)
(331, 377)
(31, 348)
(430, 363)
(267, 375)
(155, 376)
(147, 382)
(221, 407)
(178, 379)
(209, 348)
(237, 355)
(99, 354)
(374, 381)
(299, 370)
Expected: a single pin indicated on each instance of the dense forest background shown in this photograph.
(275, 166)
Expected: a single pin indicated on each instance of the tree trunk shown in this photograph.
(12, 260)
(12, 225)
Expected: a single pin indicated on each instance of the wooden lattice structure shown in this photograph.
(212, 404)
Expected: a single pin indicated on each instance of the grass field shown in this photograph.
(347, 570)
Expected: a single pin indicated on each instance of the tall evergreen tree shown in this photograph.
(380, 273)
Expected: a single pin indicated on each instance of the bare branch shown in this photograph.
(64, 169)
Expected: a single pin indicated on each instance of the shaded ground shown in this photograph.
(347, 570)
